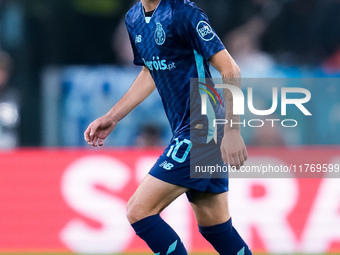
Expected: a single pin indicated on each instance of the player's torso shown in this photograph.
(170, 60)
(163, 52)
(173, 61)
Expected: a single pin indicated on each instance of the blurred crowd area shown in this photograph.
(65, 62)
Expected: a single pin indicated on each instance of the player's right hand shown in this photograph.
(98, 130)
(233, 149)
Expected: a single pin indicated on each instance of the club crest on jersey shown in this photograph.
(205, 31)
(160, 35)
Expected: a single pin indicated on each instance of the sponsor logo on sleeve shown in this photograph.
(205, 31)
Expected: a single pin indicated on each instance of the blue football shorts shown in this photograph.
(192, 165)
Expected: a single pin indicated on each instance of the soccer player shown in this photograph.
(174, 42)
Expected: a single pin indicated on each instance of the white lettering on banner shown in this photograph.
(177, 214)
(79, 191)
(323, 224)
(143, 166)
(267, 214)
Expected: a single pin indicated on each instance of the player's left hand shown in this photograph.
(233, 149)
(98, 130)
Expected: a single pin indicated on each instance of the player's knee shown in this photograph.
(135, 212)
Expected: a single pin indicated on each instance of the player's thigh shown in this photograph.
(151, 197)
(210, 208)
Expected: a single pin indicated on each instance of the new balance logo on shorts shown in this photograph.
(166, 165)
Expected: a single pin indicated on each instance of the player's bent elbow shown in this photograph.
(235, 71)
(231, 71)
(231, 74)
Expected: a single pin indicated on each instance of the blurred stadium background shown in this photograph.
(64, 63)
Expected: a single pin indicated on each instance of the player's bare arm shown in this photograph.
(233, 148)
(99, 129)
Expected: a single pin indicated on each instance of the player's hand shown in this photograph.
(98, 130)
(233, 149)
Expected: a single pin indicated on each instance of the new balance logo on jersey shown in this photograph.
(166, 165)
(159, 64)
(138, 39)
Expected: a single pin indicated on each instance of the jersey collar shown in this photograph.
(147, 19)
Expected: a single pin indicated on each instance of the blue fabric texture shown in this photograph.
(225, 239)
(159, 236)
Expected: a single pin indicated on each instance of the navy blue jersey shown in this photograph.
(175, 44)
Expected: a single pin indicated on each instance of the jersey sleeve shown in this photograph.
(136, 57)
(137, 60)
(193, 26)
